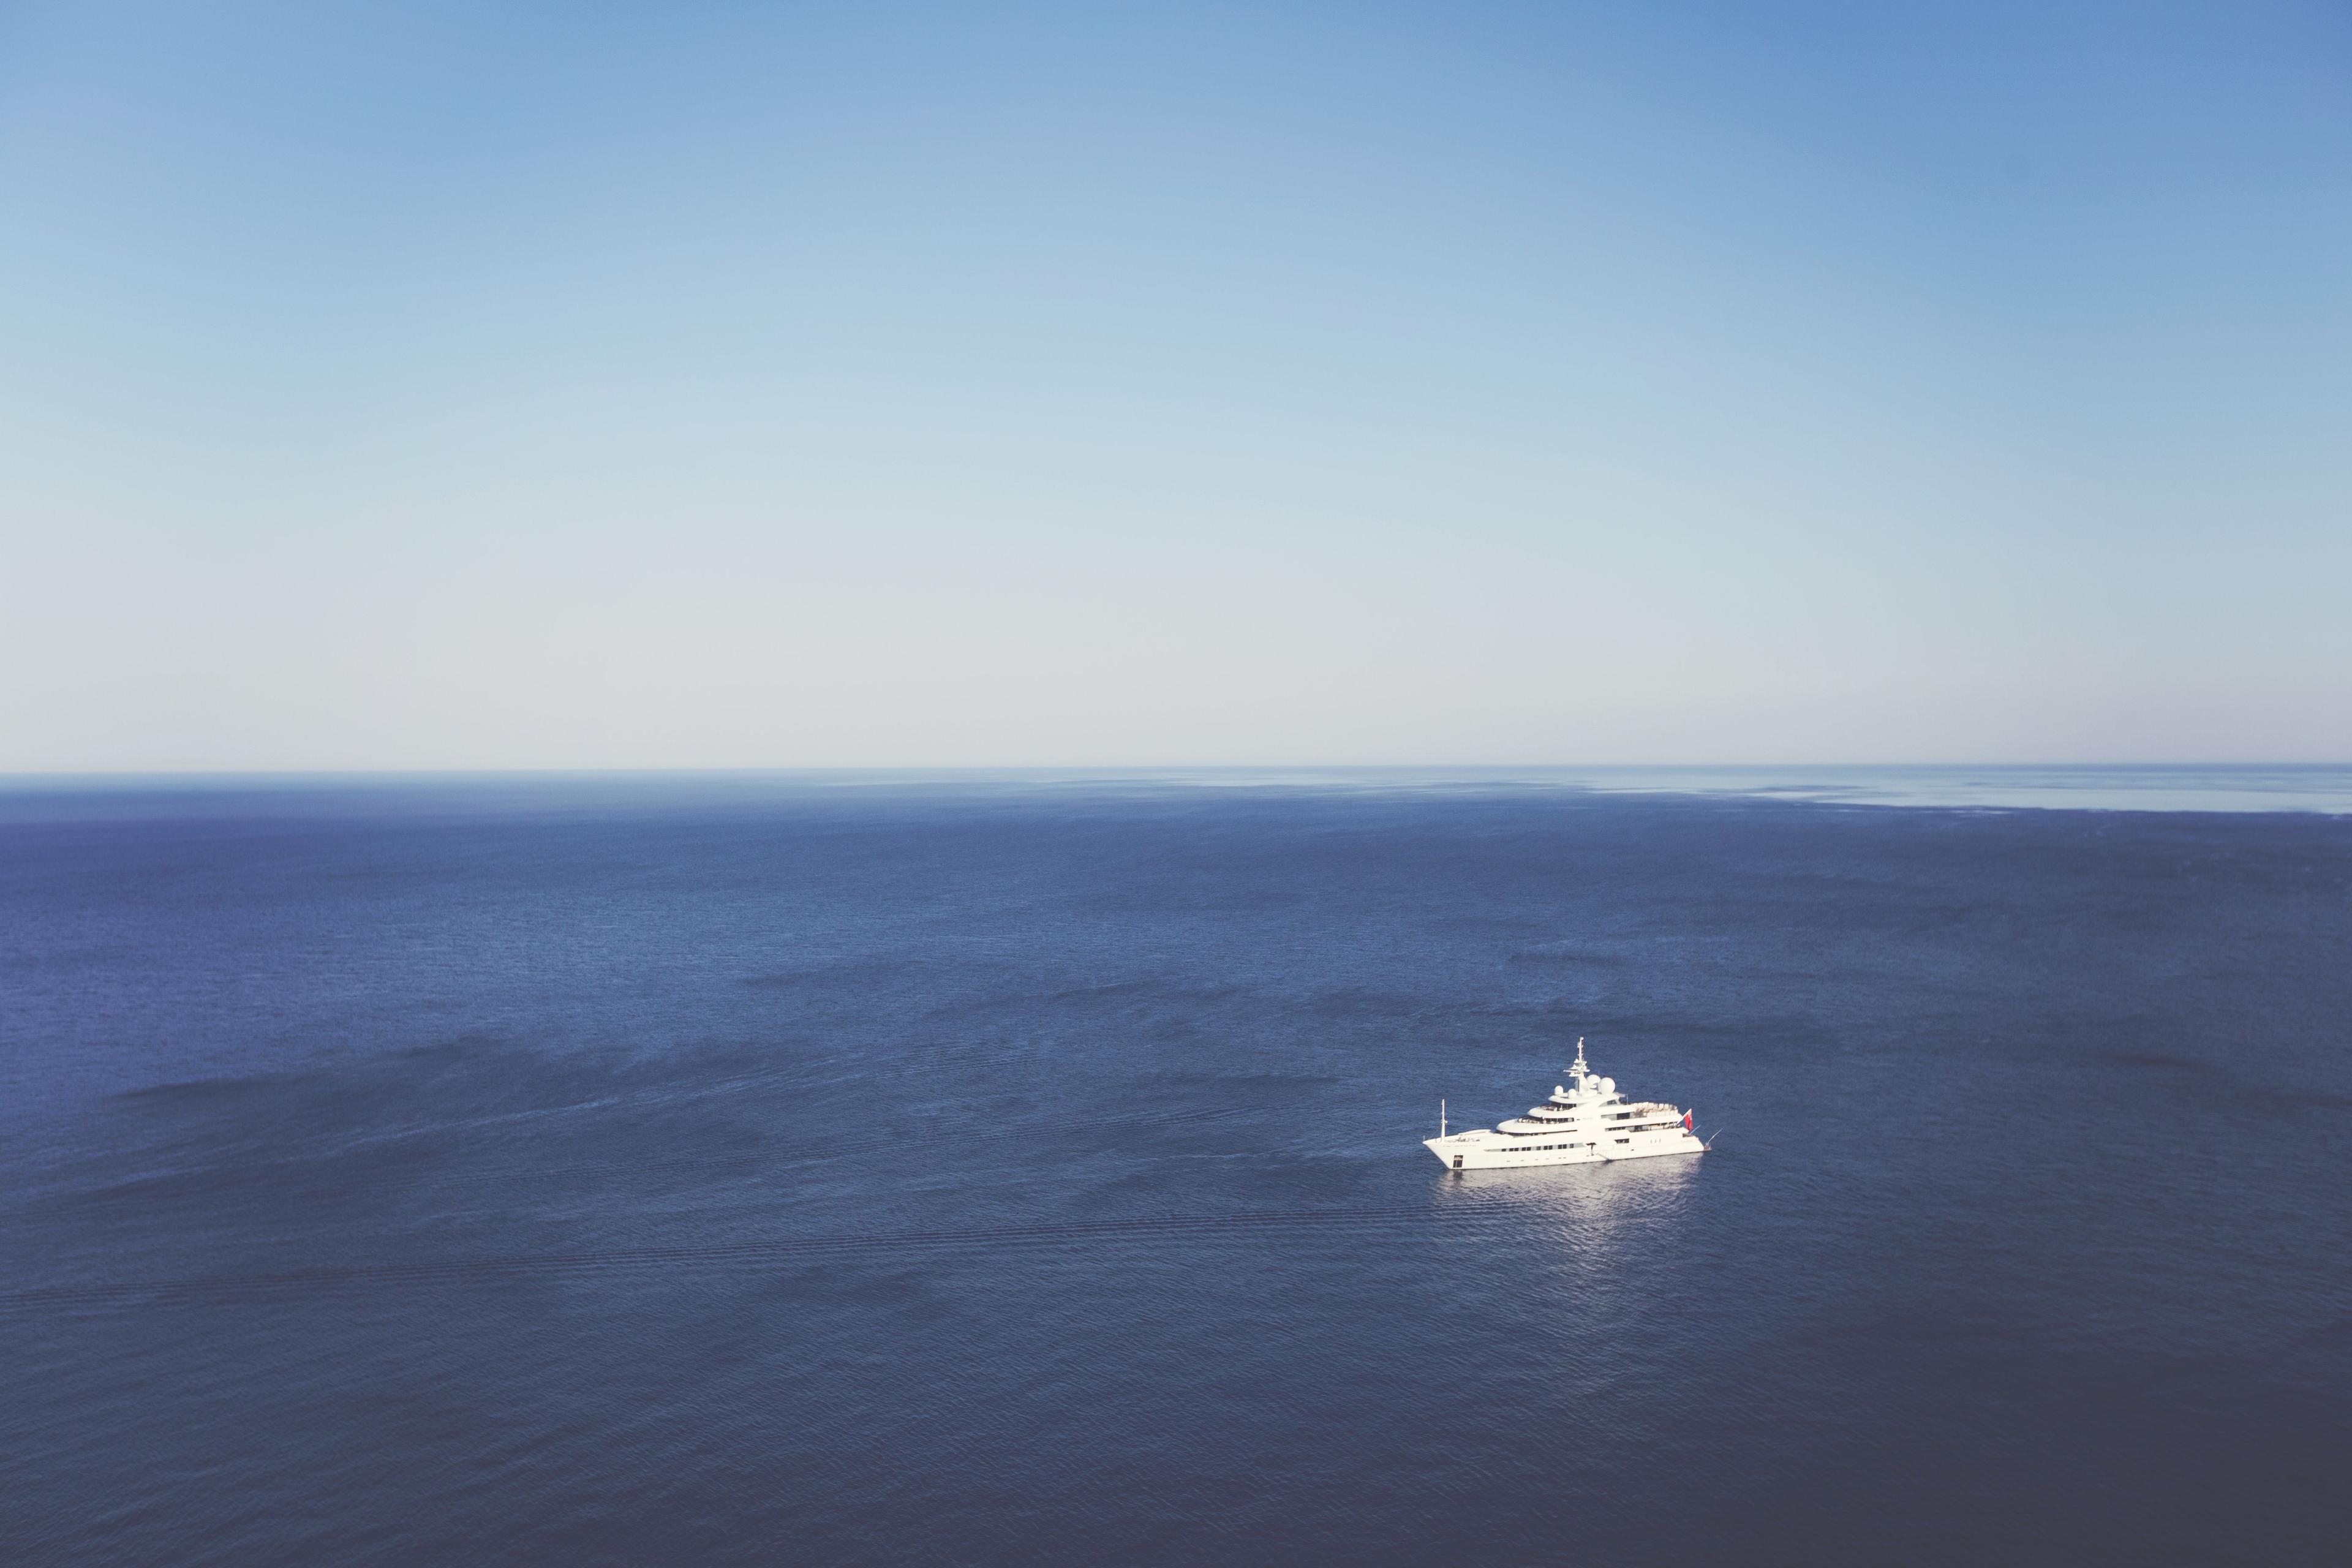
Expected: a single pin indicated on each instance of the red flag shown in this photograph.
(1686, 1122)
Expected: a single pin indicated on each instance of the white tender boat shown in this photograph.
(1585, 1119)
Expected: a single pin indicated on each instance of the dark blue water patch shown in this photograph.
(630, 1171)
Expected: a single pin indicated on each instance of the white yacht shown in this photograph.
(1585, 1119)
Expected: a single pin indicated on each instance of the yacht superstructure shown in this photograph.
(1585, 1119)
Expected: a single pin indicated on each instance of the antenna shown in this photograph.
(1440, 1119)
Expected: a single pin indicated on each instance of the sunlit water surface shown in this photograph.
(1025, 1169)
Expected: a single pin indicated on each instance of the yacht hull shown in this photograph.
(1476, 1151)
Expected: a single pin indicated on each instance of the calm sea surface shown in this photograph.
(995, 1170)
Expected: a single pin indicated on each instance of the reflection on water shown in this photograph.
(2323, 787)
(1589, 1211)
(2320, 788)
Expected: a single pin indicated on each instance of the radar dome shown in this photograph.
(1608, 1086)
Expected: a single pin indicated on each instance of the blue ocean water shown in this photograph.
(860, 1170)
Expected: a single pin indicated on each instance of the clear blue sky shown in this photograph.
(473, 384)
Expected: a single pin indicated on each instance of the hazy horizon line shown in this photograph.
(742, 769)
